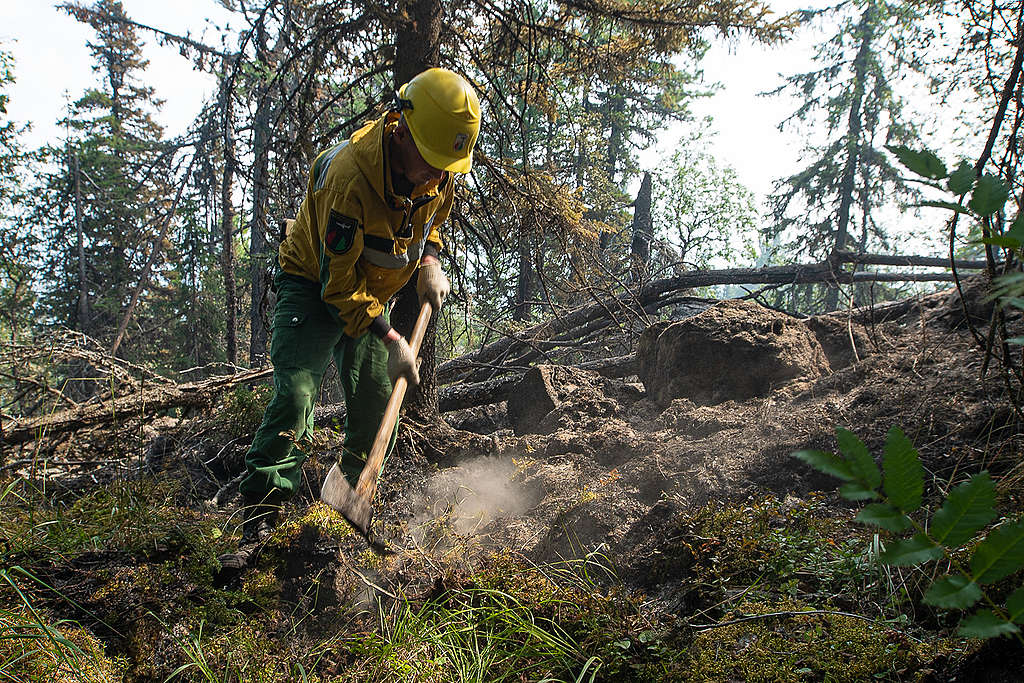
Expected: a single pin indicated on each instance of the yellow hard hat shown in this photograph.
(443, 115)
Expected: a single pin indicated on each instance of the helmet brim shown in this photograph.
(453, 165)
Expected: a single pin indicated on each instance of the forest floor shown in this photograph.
(639, 530)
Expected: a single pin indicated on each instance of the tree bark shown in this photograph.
(83, 285)
(266, 109)
(417, 41)
(227, 226)
(853, 145)
(524, 280)
(643, 228)
(895, 260)
(257, 233)
(417, 47)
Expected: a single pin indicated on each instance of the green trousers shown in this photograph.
(306, 335)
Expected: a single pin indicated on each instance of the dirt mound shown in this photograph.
(551, 397)
(734, 350)
(730, 394)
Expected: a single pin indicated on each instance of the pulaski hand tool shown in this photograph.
(356, 504)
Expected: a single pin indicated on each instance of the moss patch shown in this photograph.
(790, 648)
(34, 647)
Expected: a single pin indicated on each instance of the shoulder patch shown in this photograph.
(340, 233)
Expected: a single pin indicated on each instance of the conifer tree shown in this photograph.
(832, 203)
(112, 193)
(576, 91)
(17, 245)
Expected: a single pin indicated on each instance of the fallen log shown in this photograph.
(647, 295)
(908, 261)
(460, 396)
(496, 390)
(145, 401)
(526, 345)
(518, 347)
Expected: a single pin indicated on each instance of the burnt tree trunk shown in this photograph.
(643, 229)
(417, 43)
(227, 222)
(257, 234)
(524, 281)
(266, 110)
(83, 285)
(417, 47)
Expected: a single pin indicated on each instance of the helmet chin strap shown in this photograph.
(400, 183)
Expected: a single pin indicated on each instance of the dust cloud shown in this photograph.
(471, 494)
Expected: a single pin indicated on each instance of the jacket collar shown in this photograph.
(370, 144)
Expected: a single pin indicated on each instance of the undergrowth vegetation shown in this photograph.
(120, 583)
(979, 567)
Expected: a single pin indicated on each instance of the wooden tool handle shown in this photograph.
(367, 485)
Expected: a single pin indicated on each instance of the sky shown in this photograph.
(53, 67)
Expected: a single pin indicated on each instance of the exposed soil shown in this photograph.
(601, 467)
(722, 401)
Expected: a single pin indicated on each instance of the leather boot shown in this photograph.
(258, 522)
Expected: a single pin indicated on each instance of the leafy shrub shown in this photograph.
(956, 526)
(986, 207)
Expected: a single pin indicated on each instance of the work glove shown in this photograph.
(401, 362)
(432, 285)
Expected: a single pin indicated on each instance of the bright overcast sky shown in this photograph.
(53, 66)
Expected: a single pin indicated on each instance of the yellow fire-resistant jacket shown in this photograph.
(354, 235)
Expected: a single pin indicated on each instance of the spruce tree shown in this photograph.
(832, 203)
(17, 244)
(111, 195)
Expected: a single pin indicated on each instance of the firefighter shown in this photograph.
(369, 221)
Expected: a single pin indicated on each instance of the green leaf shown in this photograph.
(1016, 229)
(1012, 238)
(985, 624)
(1000, 554)
(923, 163)
(962, 179)
(857, 491)
(1015, 606)
(952, 206)
(914, 550)
(989, 195)
(1002, 241)
(953, 592)
(885, 516)
(904, 476)
(827, 463)
(969, 507)
(861, 463)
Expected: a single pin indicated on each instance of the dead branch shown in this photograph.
(148, 401)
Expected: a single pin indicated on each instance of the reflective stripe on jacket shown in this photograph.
(354, 235)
